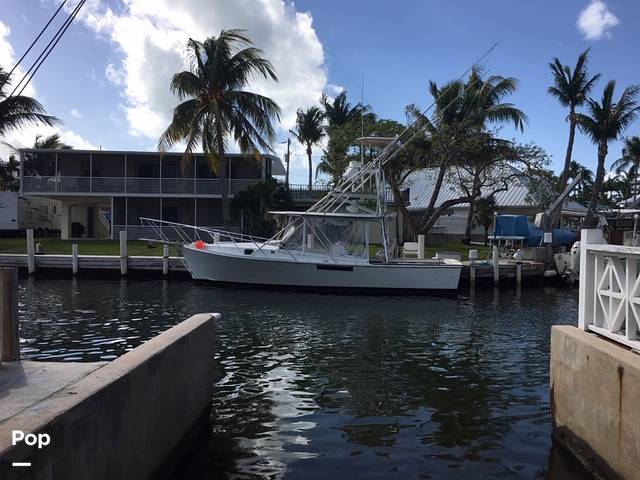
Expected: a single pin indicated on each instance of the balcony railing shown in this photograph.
(609, 302)
(131, 185)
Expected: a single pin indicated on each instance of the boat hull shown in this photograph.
(255, 270)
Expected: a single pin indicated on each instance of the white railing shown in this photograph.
(131, 185)
(609, 302)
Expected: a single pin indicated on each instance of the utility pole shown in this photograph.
(286, 178)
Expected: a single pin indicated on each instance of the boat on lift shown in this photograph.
(344, 241)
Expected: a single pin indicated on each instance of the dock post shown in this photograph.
(519, 267)
(31, 252)
(496, 265)
(74, 258)
(9, 328)
(123, 252)
(473, 256)
(165, 259)
(420, 247)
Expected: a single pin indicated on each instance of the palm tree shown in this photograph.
(629, 162)
(571, 89)
(309, 132)
(584, 186)
(605, 123)
(339, 111)
(19, 111)
(217, 106)
(10, 175)
(463, 111)
(52, 142)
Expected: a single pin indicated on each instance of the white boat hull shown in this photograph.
(219, 266)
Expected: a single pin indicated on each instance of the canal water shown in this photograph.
(327, 386)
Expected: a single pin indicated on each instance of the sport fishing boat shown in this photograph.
(344, 241)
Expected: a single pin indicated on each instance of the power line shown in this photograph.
(28, 76)
(33, 43)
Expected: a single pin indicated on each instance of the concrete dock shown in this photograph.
(595, 388)
(122, 419)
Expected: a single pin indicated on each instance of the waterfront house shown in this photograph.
(515, 200)
(103, 192)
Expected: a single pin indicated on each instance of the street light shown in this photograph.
(286, 178)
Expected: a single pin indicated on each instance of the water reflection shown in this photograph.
(313, 386)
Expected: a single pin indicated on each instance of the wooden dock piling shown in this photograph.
(473, 256)
(123, 252)
(31, 252)
(496, 265)
(165, 259)
(519, 267)
(420, 247)
(74, 258)
(9, 328)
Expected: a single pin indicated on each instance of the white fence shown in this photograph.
(609, 302)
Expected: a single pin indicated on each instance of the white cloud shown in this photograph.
(334, 90)
(114, 75)
(596, 20)
(75, 113)
(8, 60)
(151, 37)
(24, 137)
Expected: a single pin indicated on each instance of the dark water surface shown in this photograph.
(327, 386)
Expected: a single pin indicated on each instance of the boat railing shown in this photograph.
(181, 233)
(609, 303)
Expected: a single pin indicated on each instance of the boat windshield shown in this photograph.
(328, 235)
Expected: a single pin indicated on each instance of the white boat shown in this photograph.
(326, 247)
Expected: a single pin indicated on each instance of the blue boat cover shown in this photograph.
(511, 226)
(519, 226)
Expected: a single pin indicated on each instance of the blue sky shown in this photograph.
(108, 78)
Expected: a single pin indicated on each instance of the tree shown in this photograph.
(582, 192)
(605, 122)
(217, 106)
(52, 142)
(339, 111)
(458, 132)
(253, 203)
(10, 175)
(629, 162)
(19, 111)
(571, 89)
(483, 214)
(309, 132)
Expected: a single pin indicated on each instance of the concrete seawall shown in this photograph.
(595, 399)
(122, 419)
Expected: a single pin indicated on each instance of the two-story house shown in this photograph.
(102, 192)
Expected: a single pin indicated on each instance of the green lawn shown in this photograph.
(456, 247)
(137, 247)
(85, 247)
(451, 247)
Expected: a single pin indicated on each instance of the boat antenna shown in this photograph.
(362, 119)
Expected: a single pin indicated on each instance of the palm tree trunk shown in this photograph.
(567, 159)
(591, 220)
(556, 214)
(224, 184)
(310, 168)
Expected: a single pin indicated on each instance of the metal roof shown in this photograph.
(421, 185)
